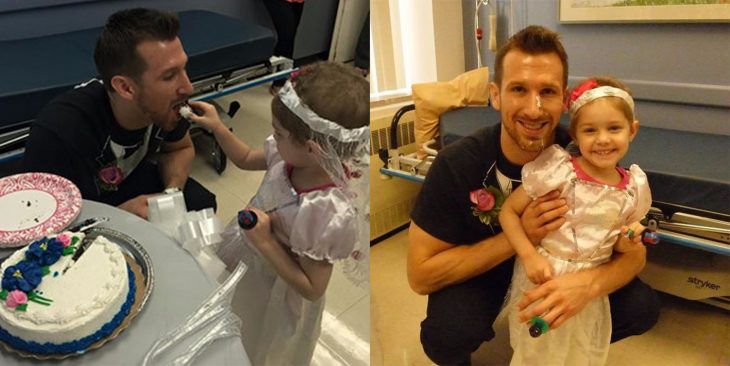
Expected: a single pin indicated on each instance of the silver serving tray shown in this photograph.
(133, 249)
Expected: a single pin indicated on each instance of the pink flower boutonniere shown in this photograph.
(110, 177)
(488, 202)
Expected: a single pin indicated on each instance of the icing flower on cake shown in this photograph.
(16, 298)
(488, 202)
(110, 177)
(45, 251)
(65, 239)
(24, 276)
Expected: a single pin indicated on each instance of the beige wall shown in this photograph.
(445, 41)
(449, 40)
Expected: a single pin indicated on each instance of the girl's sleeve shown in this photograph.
(642, 194)
(271, 152)
(551, 170)
(325, 227)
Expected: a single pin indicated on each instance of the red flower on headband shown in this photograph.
(580, 89)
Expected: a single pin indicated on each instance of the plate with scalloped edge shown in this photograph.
(33, 205)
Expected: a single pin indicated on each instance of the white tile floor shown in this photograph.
(689, 333)
(345, 335)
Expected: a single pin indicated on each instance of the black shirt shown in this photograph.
(443, 208)
(76, 135)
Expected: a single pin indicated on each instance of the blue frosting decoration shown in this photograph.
(79, 345)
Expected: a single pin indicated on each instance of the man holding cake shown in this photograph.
(121, 138)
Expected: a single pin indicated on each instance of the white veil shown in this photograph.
(345, 155)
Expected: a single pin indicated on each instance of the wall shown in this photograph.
(679, 72)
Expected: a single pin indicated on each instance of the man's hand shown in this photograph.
(543, 215)
(561, 298)
(137, 205)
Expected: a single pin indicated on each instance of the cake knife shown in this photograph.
(88, 224)
(85, 243)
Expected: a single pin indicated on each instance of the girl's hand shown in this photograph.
(537, 268)
(205, 115)
(260, 235)
(626, 242)
(543, 215)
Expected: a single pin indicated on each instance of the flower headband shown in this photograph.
(291, 100)
(590, 91)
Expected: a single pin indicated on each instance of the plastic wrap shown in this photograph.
(214, 313)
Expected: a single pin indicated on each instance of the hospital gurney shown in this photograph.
(689, 177)
(235, 56)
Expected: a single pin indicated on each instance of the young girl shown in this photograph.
(606, 202)
(312, 209)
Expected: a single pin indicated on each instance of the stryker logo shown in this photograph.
(702, 284)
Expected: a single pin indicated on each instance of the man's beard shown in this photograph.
(532, 145)
(525, 144)
(156, 118)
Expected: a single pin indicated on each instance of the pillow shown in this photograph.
(433, 99)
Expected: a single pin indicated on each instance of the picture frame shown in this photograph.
(675, 11)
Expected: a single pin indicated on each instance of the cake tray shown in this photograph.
(140, 263)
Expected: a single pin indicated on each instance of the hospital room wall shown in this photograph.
(678, 72)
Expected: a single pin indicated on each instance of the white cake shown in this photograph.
(87, 302)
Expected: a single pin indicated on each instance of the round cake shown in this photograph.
(51, 304)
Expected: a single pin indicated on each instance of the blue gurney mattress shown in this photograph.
(35, 70)
(686, 170)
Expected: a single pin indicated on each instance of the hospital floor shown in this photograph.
(345, 334)
(688, 333)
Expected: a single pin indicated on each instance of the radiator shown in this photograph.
(391, 200)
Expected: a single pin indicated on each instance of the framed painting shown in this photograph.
(643, 11)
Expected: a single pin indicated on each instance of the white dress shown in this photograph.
(280, 327)
(593, 223)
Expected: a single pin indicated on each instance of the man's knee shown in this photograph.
(634, 310)
(453, 344)
(198, 197)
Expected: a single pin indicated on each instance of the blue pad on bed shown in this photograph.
(685, 169)
(34, 70)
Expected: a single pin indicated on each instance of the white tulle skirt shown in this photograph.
(582, 340)
(279, 326)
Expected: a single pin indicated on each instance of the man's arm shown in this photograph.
(175, 160)
(174, 167)
(434, 264)
(566, 295)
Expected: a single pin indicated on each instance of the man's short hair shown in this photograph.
(533, 40)
(116, 48)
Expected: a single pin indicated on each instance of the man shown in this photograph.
(465, 265)
(121, 139)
